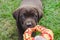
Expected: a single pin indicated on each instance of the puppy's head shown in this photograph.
(27, 16)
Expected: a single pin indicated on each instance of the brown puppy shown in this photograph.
(27, 15)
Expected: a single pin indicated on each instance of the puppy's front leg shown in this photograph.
(20, 36)
(33, 34)
(20, 31)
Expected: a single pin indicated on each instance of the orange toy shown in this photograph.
(46, 33)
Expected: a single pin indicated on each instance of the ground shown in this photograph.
(51, 18)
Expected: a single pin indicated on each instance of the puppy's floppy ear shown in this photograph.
(15, 14)
(40, 13)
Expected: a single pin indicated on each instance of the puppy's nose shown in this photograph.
(29, 24)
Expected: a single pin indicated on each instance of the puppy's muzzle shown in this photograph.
(30, 23)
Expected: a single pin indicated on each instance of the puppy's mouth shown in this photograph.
(29, 23)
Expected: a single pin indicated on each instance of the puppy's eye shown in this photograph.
(22, 16)
(35, 15)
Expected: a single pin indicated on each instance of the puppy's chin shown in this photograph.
(25, 27)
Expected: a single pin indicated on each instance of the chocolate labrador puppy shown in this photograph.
(27, 15)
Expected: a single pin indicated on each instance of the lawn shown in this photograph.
(51, 18)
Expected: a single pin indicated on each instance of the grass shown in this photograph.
(51, 18)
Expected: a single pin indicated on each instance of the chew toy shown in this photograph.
(45, 33)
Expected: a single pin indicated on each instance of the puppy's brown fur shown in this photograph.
(27, 15)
